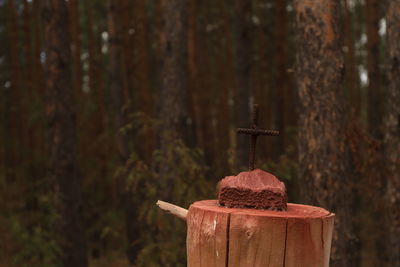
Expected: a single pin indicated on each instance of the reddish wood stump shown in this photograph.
(218, 236)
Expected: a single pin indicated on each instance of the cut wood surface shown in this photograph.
(218, 236)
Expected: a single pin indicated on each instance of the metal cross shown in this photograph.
(255, 132)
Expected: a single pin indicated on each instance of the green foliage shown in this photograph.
(35, 236)
(177, 176)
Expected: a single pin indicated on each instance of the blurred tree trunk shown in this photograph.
(174, 73)
(32, 139)
(141, 69)
(392, 131)
(126, 47)
(37, 72)
(28, 65)
(351, 72)
(281, 77)
(38, 86)
(174, 126)
(28, 47)
(98, 127)
(204, 87)
(193, 70)
(324, 159)
(96, 83)
(119, 94)
(75, 32)
(224, 88)
(120, 103)
(263, 87)
(63, 167)
(243, 68)
(12, 128)
(374, 106)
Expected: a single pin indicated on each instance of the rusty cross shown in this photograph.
(255, 132)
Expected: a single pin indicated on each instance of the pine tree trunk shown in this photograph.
(142, 76)
(392, 131)
(63, 167)
(120, 101)
(324, 165)
(263, 84)
(126, 50)
(193, 70)
(28, 47)
(243, 68)
(224, 87)
(38, 82)
(205, 88)
(37, 50)
(118, 92)
(13, 97)
(173, 112)
(374, 106)
(281, 80)
(75, 31)
(96, 83)
(351, 72)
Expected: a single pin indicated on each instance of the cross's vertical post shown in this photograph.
(255, 132)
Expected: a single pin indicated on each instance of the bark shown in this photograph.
(243, 68)
(324, 159)
(173, 112)
(374, 106)
(63, 167)
(392, 131)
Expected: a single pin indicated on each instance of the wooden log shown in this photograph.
(218, 236)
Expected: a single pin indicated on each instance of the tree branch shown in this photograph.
(173, 209)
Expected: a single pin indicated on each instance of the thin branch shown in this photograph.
(173, 209)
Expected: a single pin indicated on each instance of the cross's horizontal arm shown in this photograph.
(257, 131)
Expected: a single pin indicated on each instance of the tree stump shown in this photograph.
(218, 236)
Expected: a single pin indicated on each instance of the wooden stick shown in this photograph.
(173, 209)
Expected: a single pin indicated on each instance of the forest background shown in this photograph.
(107, 106)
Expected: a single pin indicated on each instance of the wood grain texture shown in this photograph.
(327, 236)
(256, 240)
(207, 237)
(219, 236)
(304, 244)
